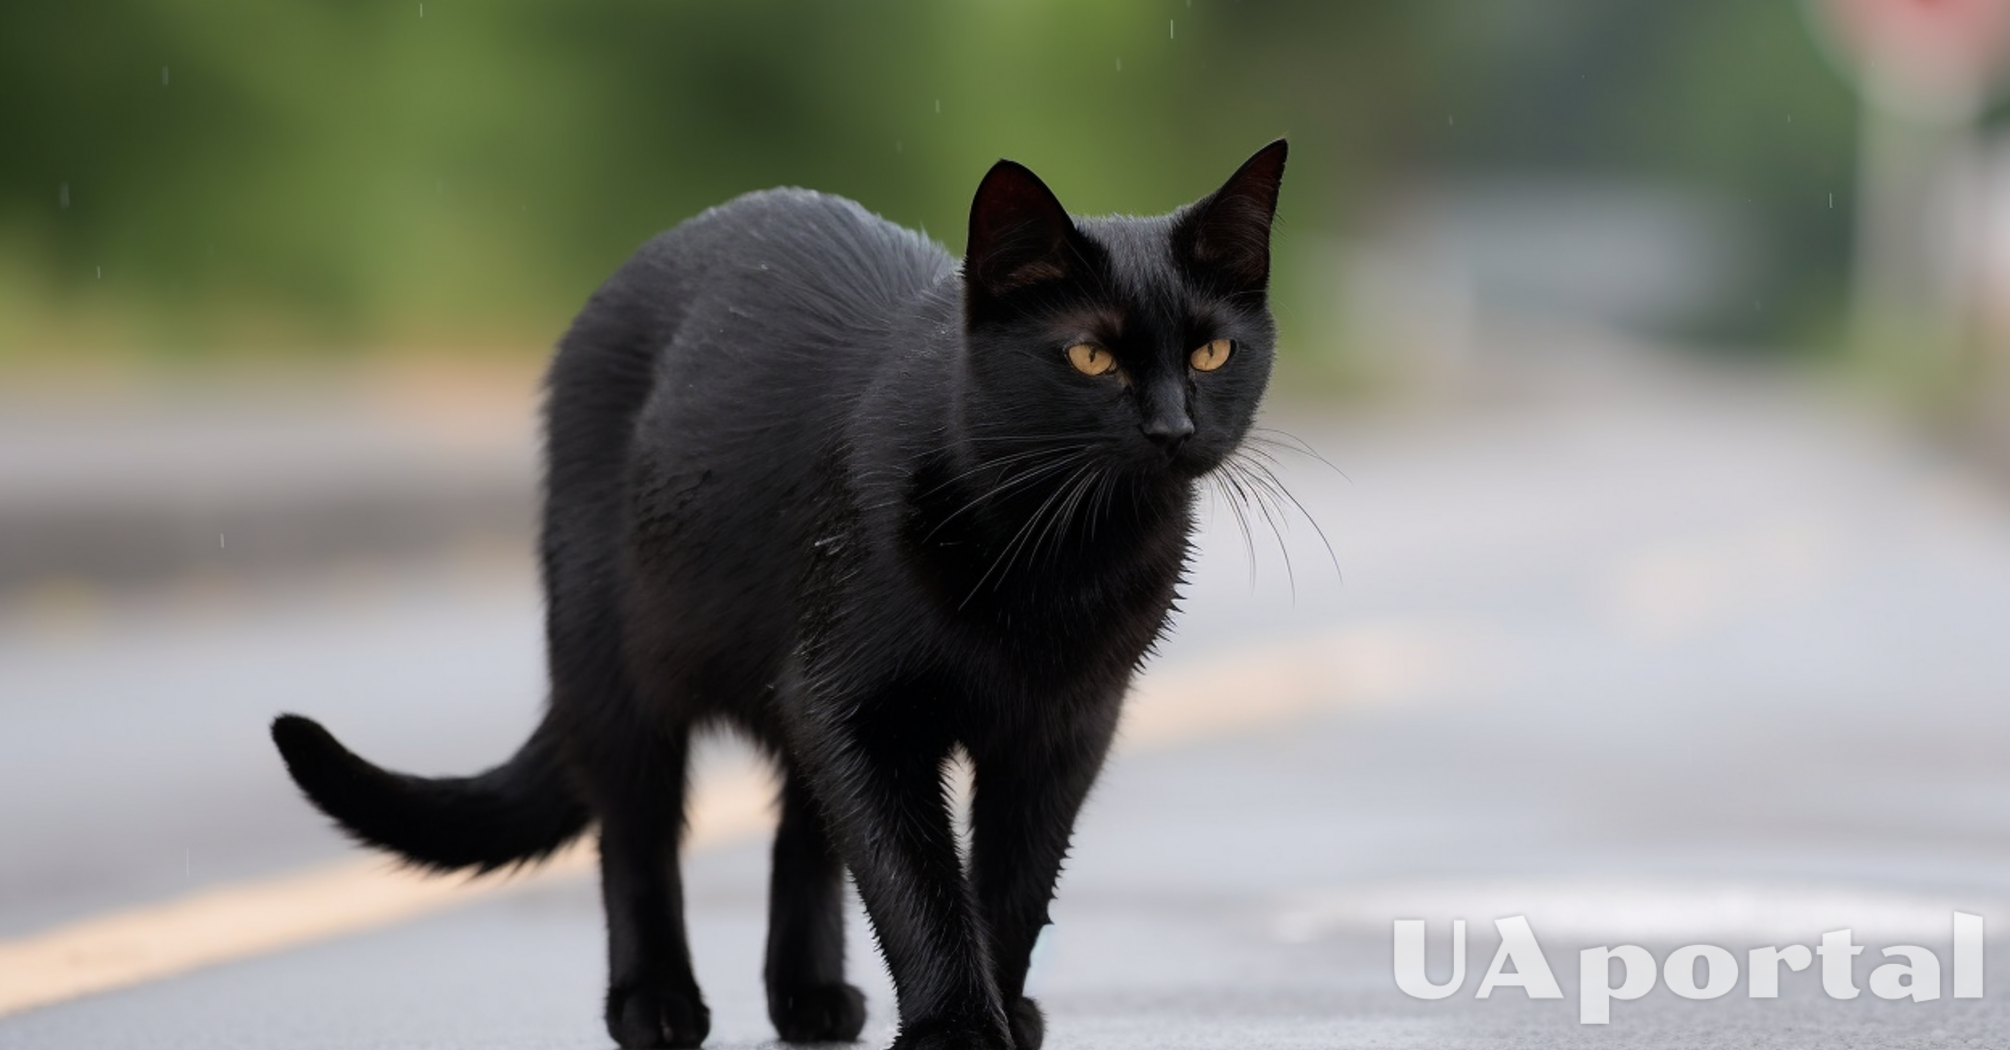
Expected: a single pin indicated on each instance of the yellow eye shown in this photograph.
(1212, 356)
(1090, 360)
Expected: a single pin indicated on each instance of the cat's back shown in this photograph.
(787, 303)
(821, 244)
(754, 315)
(696, 402)
(774, 296)
(793, 264)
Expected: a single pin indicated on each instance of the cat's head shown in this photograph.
(1146, 340)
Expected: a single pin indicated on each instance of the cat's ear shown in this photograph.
(1227, 232)
(1019, 233)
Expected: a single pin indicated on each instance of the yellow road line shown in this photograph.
(236, 920)
(1249, 688)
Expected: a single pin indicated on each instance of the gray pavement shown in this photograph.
(140, 485)
(1705, 659)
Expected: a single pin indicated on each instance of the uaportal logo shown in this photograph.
(1695, 971)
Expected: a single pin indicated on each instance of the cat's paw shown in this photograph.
(949, 1036)
(1029, 1029)
(817, 1013)
(657, 1017)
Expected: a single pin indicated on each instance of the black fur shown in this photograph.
(809, 479)
(517, 812)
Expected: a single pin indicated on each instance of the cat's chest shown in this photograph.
(1029, 560)
(1096, 609)
(917, 573)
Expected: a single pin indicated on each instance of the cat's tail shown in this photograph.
(517, 812)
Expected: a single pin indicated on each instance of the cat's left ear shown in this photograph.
(1019, 233)
(1227, 232)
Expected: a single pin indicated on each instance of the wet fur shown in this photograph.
(810, 479)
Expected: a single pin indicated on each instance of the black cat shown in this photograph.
(808, 478)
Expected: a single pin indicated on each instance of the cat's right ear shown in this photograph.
(1019, 233)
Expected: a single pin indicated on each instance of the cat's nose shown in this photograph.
(1169, 432)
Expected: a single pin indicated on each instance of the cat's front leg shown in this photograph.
(877, 778)
(1030, 787)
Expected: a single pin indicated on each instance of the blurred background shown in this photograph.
(367, 180)
(1653, 358)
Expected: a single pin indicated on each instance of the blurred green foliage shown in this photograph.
(186, 178)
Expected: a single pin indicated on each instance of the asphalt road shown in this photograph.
(1665, 657)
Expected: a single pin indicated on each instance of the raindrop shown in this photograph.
(1120, 63)
(1169, 29)
(896, 146)
(1448, 120)
(101, 273)
(1832, 202)
(63, 196)
(164, 76)
(938, 105)
(219, 541)
(422, 10)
